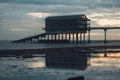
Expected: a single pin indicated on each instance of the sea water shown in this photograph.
(9, 45)
(12, 68)
(100, 68)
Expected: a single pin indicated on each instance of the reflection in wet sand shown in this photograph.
(37, 64)
(12, 68)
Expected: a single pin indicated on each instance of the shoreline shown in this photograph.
(85, 49)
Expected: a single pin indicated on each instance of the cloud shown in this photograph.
(89, 3)
(17, 29)
(20, 17)
(39, 15)
(104, 17)
(108, 22)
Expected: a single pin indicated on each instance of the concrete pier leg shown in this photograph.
(80, 37)
(43, 38)
(62, 36)
(33, 40)
(69, 36)
(48, 37)
(58, 36)
(84, 38)
(51, 37)
(105, 33)
(89, 36)
(65, 36)
(55, 37)
(73, 38)
(40, 38)
(76, 37)
(37, 40)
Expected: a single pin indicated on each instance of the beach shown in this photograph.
(12, 68)
(34, 67)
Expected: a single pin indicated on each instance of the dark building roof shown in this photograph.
(81, 17)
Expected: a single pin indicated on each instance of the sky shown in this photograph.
(24, 18)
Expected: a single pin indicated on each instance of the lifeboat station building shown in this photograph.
(70, 28)
(67, 28)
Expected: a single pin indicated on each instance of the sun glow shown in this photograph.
(39, 15)
(37, 64)
(106, 22)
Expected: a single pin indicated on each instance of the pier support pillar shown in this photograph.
(48, 37)
(76, 37)
(62, 36)
(65, 36)
(58, 36)
(73, 37)
(80, 37)
(40, 38)
(43, 38)
(105, 33)
(83, 37)
(89, 36)
(51, 37)
(37, 39)
(69, 36)
(33, 40)
(55, 37)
